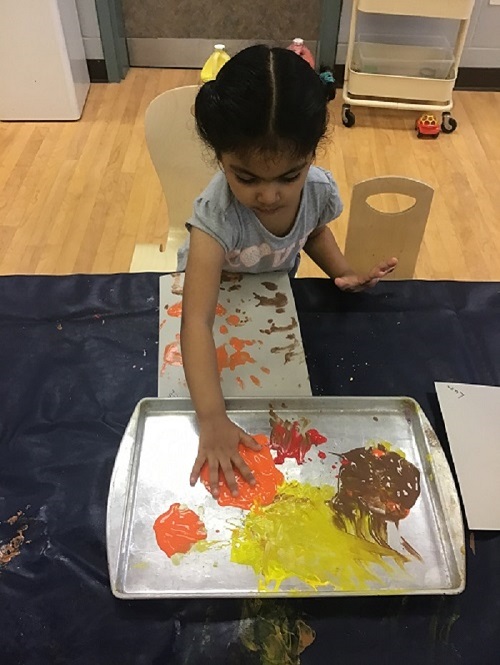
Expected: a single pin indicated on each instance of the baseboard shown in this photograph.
(97, 71)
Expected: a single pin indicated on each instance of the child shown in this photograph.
(263, 116)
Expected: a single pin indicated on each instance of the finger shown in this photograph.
(343, 283)
(228, 471)
(196, 470)
(249, 442)
(244, 469)
(213, 475)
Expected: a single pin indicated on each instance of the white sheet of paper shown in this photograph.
(256, 331)
(472, 417)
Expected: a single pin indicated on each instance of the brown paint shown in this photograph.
(278, 300)
(274, 328)
(290, 350)
(13, 548)
(270, 286)
(376, 486)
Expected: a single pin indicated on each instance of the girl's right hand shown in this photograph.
(218, 447)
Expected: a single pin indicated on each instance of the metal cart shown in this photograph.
(404, 76)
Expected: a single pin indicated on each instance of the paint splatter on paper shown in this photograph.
(274, 328)
(172, 355)
(290, 350)
(178, 530)
(292, 439)
(295, 539)
(279, 300)
(232, 355)
(268, 478)
(12, 548)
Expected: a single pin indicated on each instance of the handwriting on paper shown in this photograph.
(455, 390)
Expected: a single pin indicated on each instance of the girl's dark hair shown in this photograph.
(264, 99)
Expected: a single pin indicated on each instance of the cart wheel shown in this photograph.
(348, 117)
(448, 124)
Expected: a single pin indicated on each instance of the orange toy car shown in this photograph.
(427, 126)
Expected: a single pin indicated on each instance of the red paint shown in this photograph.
(268, 478)
(223, 330)
(172, 355)
(235, 357)
(175, 310)
(344, 462)
(289, 441)
(255, 380)
(321, 455)
(178, 529)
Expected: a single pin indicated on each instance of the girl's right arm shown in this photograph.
(219, 436)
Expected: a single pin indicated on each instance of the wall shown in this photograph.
(90, 29)
(482, 48)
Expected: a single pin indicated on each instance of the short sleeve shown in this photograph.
(210, 214)
(333, 205)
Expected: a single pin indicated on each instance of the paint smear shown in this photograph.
(321, 454)
(178, 530)
(266, 370)
(240, 382)
(278, 300)
(270, 286)
(292, 439)
(233, 320)
(267, 477)
(377, 485)
(177, 286)
(274, 328)
(290, 350)
(295, 538)
(172, 355)
(255, 380)
(223, 330)
(232, 355)
(176, 310)
(232, 279)
(10, 550)
(162, 323)
(272, 629)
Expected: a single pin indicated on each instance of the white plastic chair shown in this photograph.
(183, 170)
(373, 235)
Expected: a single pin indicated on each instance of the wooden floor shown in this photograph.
(77, 197)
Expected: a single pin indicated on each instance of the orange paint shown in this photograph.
(178, 529)
(220, 310)
(239, 381)
(266, 370)
(237, 356)
(175, 310)
(172, 355)
(268, 478)
(233, 320)
(223, 330)
(255, 380)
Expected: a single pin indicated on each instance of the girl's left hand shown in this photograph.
(353, 282)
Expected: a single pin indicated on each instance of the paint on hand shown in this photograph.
(377, 485)
(272, 629)
(274, 328)
(292, 439)
(235, 357)
(278, 300)
(178, 530)
(172, 355)
(267, 478)
(294, 538)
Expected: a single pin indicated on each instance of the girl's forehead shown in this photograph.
(265, 164)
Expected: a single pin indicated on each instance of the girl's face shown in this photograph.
(268, 184)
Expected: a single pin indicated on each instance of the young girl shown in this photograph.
(263, 117)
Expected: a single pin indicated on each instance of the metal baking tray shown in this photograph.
(152, 468)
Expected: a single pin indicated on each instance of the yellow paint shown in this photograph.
(295, 539)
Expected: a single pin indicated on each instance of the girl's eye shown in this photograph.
(245, 181)
(291, 178)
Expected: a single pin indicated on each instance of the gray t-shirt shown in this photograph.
(248, 245)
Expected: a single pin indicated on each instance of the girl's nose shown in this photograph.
(268, 195)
